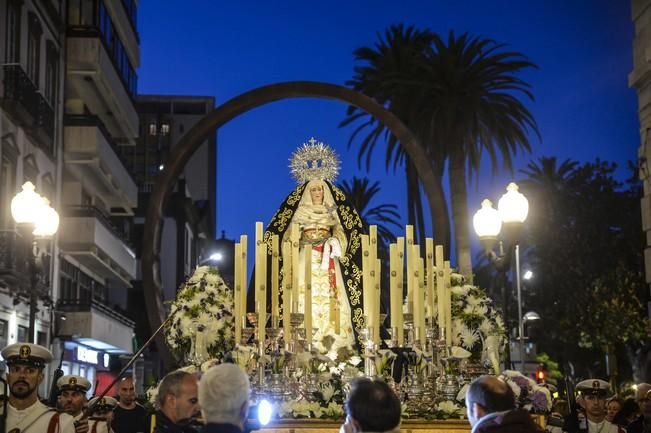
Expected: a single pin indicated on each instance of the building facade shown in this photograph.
(31, 106)
(189, 217)
(98, 194)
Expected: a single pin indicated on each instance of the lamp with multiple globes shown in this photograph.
(508, 218)
(35, 219)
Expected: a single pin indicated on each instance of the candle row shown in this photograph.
(427, 278)
(428, 286)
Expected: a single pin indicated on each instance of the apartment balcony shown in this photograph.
(27, 107)
(89, 236)
(91, 155)
(93, 76)
(95, 324)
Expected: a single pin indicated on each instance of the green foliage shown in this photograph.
(585, 246)
(553, 370)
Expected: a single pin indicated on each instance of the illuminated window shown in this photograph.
(152, 128)
(165, 129)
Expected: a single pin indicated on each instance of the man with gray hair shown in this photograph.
(178, 404)
(224, 399)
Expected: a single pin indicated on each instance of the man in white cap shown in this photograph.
(593, 393)
(101, 414)
(25, 413)
(72, 398)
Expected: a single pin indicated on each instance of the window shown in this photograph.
(7, 180)
(41, 338)
(12, 37)
(4, 332)
(34, 33)
(51, 72)
(165, 129)
(23, 332)
(152, 128)
(81, 13)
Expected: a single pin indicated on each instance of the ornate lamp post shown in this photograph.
(512, 211)
(35, 220)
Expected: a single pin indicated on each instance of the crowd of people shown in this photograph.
(221, 400)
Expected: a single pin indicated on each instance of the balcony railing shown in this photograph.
(79, 305)
(105, 220)
(28, 107)
(20, 96)
(90, 120)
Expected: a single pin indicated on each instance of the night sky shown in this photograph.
(583, 105)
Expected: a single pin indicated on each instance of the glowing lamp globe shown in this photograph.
(46, 222)
(513, 207)
(487, 221)
(26, 205)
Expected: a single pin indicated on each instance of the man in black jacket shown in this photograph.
(178, 403)
(490, 404)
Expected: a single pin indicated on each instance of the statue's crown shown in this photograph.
(314, 160)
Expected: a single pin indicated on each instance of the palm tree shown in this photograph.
(459, 96)
(390, 73)
(546, 178)
(470, 100)
(360, 194)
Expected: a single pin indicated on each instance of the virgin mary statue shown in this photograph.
(329, 229)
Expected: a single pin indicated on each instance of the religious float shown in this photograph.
(312, 318)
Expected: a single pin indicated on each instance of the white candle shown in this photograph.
(244, 276)
(287, 291)
(237, 293)
(294, 240)
(409, 234)
(395, 294)
(440, 289)
(448, 303)
(260, 281)
(376, 302)
(366, 281)
(275, 276)
(429, 279)
(400, 247)
(417, 287)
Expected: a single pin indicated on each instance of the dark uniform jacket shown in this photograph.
(513, 421)
(165, 425)
(220, 428)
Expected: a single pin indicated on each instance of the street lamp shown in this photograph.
(530, 316)
(35, 220)
(512, 211)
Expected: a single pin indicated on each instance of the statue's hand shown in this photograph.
(335, 247)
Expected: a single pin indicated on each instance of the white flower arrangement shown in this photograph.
(449, 409)
(203, 304)
(474, 318)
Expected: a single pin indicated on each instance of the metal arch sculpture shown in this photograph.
(192, 140)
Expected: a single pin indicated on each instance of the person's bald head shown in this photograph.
(643, 398)
(488, 394)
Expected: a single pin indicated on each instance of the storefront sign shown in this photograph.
(87, 355)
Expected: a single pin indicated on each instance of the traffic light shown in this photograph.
(540, 375)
